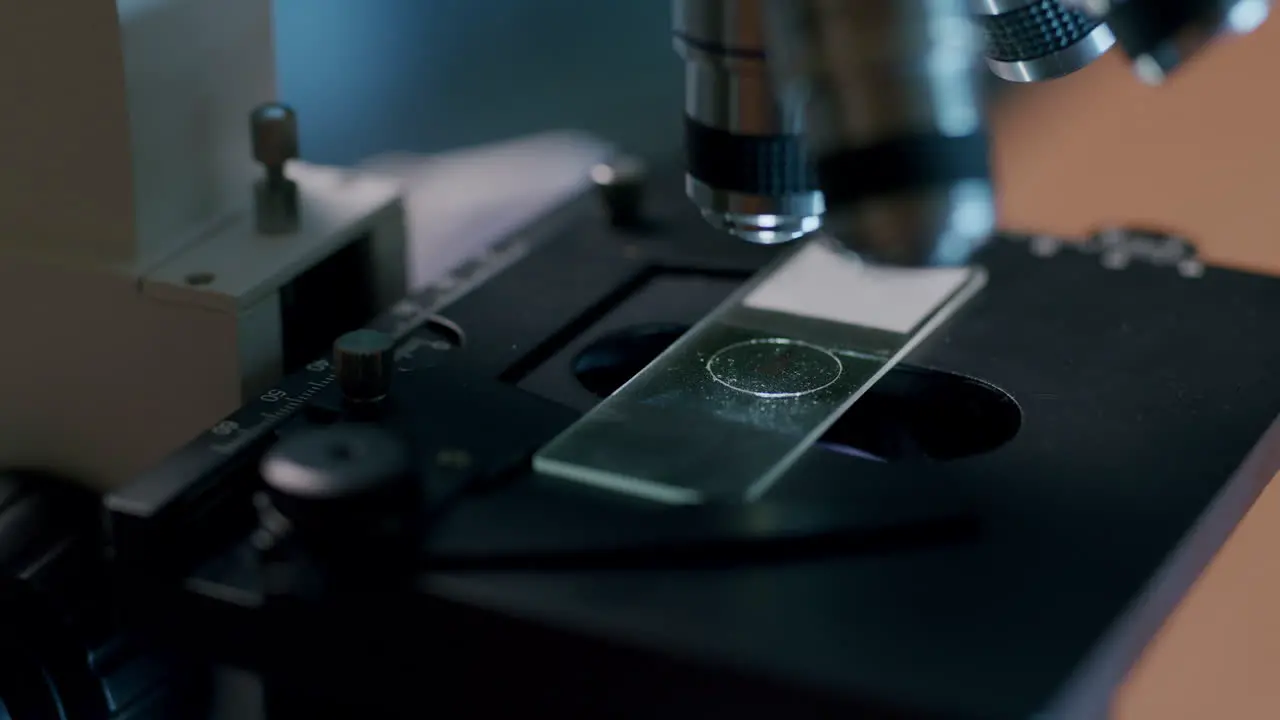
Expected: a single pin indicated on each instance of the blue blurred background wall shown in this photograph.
(369, 76)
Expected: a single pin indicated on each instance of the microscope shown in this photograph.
(869, 118)
(786, 425)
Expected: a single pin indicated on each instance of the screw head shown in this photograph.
(621, 183)
(274, 129)
(363, 361)
(339, 488)
(623, 170)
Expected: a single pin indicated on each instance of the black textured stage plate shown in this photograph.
(1143, 392)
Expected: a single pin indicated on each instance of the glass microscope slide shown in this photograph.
(724, 412)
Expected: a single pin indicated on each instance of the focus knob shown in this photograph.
(340, 514)
(363, 362)
(342, 483)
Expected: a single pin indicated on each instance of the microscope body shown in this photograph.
(147, 305)
(139, 296)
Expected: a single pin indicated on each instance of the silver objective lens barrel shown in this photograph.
(748, 169)
(1031, 40)
(895, 90)
(1035, 40)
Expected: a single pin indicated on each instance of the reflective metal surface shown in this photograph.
(896, 93)
(997, 7)
(935, 226)
(748, 170)
(1058, 64)
(763, 219)
(1036, 40)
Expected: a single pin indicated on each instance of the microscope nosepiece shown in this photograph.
(896, 97)
(1035, 40)
(747, 166)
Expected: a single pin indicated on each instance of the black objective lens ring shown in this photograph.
(753, 165)
(761, 188)
(902, 165)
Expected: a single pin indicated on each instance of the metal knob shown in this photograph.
(336, 466)
(363, 361)
(621, 183)
(274, 132)
(342, 510)
(342, 482)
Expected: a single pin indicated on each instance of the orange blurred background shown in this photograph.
(1201, 157)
